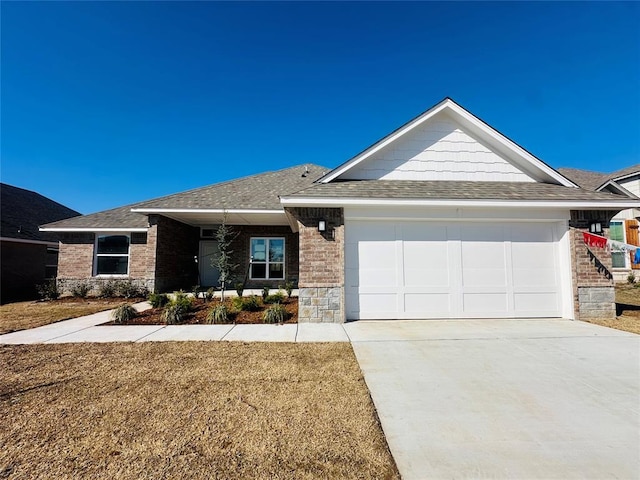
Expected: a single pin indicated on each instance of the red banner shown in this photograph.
(594, 240)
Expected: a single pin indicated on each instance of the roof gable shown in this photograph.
(439, 149)
(447, 143)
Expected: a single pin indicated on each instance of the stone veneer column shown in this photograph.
(321, 282)
(593, 287)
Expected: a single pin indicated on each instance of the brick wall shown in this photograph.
(593, 287)
(321, 282)
(241, 248)
(75, 260)
(176, 246)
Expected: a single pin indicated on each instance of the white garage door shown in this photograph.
(451, 270)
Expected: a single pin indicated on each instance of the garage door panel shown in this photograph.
(537, 303)
(427, 305)
(475, 303)
(378, 302)
(534, 277)
(532, 233)
(426, 269)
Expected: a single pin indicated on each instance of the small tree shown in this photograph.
(225, 237)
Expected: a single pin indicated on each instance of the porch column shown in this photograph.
(593, 287)
(321, 282)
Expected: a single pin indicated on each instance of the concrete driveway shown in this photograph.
(504, 398)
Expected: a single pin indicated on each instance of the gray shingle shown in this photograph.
(451, 190)
(257, 192)
(116, 218)
(23, 211)
(592, 180)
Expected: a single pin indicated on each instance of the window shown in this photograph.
(51, 265)
(616, 232)
(267, 258)
(112, 255)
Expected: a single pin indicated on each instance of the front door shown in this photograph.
(209, 274)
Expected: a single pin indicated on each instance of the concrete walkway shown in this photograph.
(89, 329)
(534, 399)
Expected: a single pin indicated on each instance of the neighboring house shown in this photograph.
(443, 218)
(27, 256)
(624, 225)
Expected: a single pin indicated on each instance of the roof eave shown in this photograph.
(94, 229)
(490, 203)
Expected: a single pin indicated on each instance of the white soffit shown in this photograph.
(501, 145)
(204, 217)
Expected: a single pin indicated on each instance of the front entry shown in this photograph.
(209, 275)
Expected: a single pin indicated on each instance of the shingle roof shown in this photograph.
(256, 192)
(23, 210)
(585, 178)
(116, 218)
(625, 172)
(592, 180)
(259, 192)
(452, 190)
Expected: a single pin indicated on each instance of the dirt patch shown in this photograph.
(23, 315)
(188, 410)
(202, 308)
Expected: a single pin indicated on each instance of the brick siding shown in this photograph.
(591, 267)
(241, 248)
(321, 279)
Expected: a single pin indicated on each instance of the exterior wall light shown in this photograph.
(595, 227)
(322, 226)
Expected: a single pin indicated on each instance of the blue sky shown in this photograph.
(105, 104)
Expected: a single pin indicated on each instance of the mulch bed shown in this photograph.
(201, 308)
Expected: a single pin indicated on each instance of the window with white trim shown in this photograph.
(267, 259)
(112, 254)
(616, 232)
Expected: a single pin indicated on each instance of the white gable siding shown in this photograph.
(438, 150)
(632, 184)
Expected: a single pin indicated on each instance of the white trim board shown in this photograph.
(34, 242)
(571, 204)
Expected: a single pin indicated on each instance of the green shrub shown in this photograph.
(208, 295)
(107, 289)
(265, 292)
(196, 290)
(174, 313)
(158, 300)
(48, 290)
(80, 289)
(631, 279)
(246, 304)
(182, 299)
(219, 314)
(275, 314)
(274, 298)
(288, 287)
(129, 289)
(239, 288)
(123, 313)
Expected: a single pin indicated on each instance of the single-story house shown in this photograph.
(443, 218)
(623, 227)
(28, 256)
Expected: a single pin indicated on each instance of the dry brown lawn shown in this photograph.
(628, 300)
(23, 315)
(187, 410)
